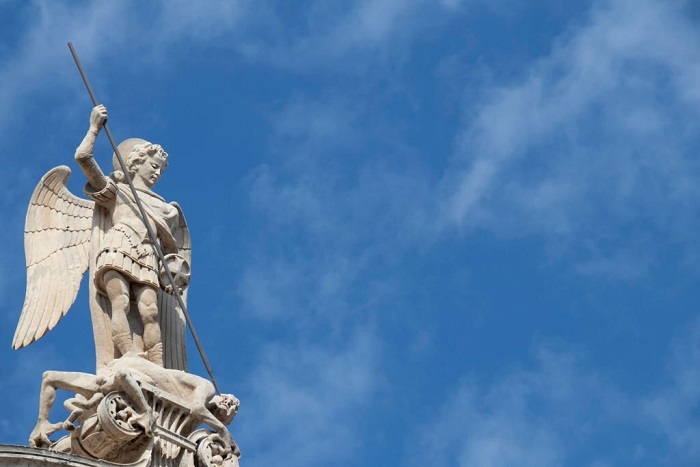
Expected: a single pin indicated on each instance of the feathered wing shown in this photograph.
(172, 319)
(56, 244)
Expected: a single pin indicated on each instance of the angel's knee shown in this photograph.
(117, 288)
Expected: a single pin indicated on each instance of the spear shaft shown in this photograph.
(147, 224)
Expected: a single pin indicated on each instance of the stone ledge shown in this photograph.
(25, 456)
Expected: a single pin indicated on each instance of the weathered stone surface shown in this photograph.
(23, 456)
(140, 408)
(134, 411)
(132, 305)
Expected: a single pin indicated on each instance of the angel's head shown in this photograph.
(145, 161)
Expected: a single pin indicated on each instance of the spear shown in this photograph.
(149, 229)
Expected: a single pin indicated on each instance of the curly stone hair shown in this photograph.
(138, 156)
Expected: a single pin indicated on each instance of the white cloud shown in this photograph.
(305, 402)
(348, 209)
(43, 57)
(525, 418)
(558, 409)
(103, 35)
(182, 20)
(672, 410)
(335, 37)
(594, 143)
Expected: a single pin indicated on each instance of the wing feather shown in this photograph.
(56, 243)
(51, 199)
(38, 300)
(29, 302)
(69, 289)
(51, 293)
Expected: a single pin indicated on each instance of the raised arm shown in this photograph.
(83, 155)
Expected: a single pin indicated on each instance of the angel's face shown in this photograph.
(150, 170)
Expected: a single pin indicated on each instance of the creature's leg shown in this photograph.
(128, 384)
(209, 418)
(117, 288)
(147, 299)
(78, 405)
(81, 383)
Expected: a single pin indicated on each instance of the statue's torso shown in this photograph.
(126, 246)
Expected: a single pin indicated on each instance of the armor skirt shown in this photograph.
(122, 252)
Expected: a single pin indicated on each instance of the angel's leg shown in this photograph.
(147, 299)
(117, 288)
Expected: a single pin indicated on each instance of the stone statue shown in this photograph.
(132, 309)
(143, 385)
(140, 408)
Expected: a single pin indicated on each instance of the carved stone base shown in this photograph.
(138, 414)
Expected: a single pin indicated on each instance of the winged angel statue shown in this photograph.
(132, 310)
(140, 408)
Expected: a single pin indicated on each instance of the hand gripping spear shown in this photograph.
(148, 226)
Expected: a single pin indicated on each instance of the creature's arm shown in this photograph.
(207, 417)
(83, 155)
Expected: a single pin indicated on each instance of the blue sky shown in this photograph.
(445, 233)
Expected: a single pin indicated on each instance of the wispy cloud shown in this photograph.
(306, 402)
(125, 34)
(549, 413)
(559, 408)
(349, 210)
(37, 61)
(340, 37)
(671, 410)
(587, 149)
(593, 142)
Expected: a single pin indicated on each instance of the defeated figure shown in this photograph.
(127, 374)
